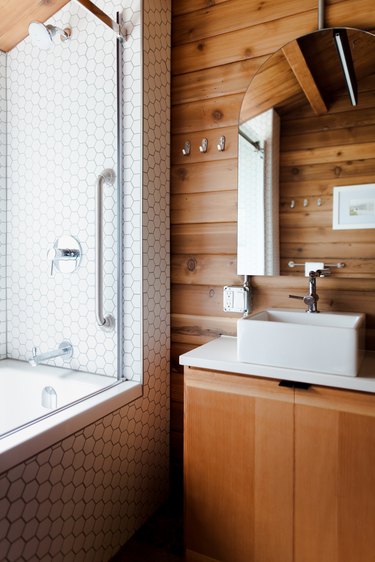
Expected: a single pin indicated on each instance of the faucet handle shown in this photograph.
(307, 299)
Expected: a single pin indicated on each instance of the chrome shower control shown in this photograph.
(65, 254)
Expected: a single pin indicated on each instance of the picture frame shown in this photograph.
(353, 206)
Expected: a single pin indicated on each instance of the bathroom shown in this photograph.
(216, 49)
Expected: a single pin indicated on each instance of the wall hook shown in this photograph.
(204, 145)
(186, 149)
(221, 144)
(305, 202)
(292, 204)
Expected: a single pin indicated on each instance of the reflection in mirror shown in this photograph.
(258, 195)
(324, 142)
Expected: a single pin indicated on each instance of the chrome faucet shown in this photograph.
(65, 350)
(311, 300)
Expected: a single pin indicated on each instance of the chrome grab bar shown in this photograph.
(106, 322)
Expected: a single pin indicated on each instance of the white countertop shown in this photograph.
(221, 355)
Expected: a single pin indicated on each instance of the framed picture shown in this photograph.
(354, 206)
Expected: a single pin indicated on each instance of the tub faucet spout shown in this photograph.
(64, 350)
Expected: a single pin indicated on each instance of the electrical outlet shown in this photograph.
(235, 299)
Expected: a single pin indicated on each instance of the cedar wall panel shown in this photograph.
(218, 45)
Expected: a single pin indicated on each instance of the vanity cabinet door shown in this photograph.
(334, 476)
(238, 459)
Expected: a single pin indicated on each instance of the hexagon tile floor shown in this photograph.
(159, 540)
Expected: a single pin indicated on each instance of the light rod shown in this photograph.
(345, 56)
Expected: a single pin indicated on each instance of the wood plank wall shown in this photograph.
(217, 47)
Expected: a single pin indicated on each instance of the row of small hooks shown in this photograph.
(305, 203)
(203, 147)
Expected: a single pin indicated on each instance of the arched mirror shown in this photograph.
(306, 178)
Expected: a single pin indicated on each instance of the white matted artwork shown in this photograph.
(354, 206)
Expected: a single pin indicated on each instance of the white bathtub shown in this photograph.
(21, 388)
(21, 409)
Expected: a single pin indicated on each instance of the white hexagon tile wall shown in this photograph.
(80, 499)
(61, 135)
(3, 199)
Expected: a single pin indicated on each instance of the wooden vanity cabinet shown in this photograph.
(238, 459)
(334, 476)
(277, 474)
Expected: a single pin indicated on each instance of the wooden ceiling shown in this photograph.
(15, 16)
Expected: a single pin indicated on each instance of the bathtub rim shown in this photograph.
(28, 441)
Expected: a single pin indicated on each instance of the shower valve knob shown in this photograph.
(65, 254)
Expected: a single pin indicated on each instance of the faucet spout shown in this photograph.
(65, 350)
(311, 300)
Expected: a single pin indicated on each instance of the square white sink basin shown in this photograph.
(327, 342)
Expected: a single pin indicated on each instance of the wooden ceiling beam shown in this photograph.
(301, 71)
